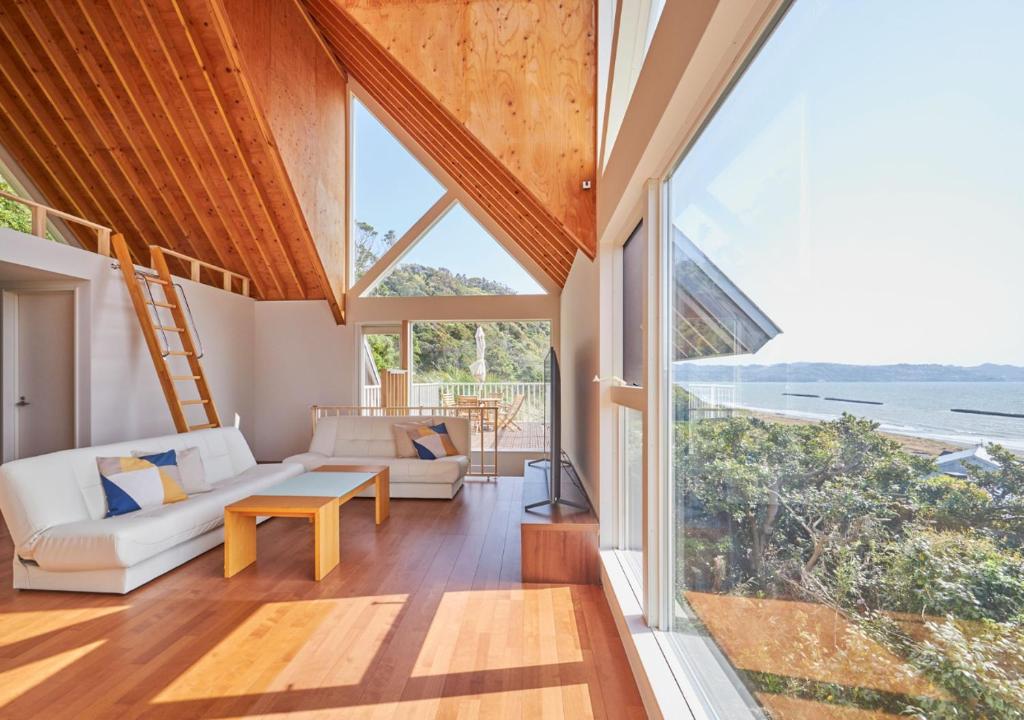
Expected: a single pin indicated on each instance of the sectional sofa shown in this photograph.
(361, 440)
(54, 506)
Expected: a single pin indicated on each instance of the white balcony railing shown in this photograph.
(524, 430)
(431, 395)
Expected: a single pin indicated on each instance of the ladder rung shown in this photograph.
(203, 426)
(180, 353)
(193, 402)
(160, 304)
(151, 279)
(168, 328)
(183, 378)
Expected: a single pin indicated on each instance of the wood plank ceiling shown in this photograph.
(510, 202)
(139, 115)
(521, 76)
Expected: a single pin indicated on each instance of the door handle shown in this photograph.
(22, 402)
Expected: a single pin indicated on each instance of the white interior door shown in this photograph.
(44, 372)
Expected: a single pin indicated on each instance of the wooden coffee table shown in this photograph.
(315, 495)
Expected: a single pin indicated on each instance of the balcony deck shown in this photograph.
(425, 617)
(527, 436)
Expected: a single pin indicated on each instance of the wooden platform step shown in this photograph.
(557, 544)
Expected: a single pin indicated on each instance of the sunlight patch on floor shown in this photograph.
(292, 646)
(478, 630)
(790, 708)
(18, 626)
(20, 679)
(804, 640)
(564, 701)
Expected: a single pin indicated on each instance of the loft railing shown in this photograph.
(483, 421)
(195, 265)
(41, 213)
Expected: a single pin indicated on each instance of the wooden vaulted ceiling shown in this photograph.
(143, 116)
(500, 94)
(217, 128)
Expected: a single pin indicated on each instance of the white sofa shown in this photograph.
(359, 440)
(54, 506)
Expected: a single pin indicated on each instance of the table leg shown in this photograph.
(239, 542)
(382, 502)
(326, 540)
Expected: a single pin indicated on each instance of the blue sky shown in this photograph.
(862, 183)
(391, 191)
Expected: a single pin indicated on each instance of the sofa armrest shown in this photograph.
(308, 460)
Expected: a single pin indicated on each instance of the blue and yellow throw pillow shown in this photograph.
(432, 442)
(133, 483)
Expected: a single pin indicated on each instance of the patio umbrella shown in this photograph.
(479, 367)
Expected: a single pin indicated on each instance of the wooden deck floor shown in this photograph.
(424, 618)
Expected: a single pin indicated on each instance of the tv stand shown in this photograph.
(558, 540)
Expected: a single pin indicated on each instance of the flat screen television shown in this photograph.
(553, 434)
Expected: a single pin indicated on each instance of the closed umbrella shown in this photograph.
(479, 367)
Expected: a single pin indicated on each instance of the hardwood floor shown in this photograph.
(425, 617)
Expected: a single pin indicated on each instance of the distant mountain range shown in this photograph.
(837, 372)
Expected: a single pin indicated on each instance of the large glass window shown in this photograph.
(391, 190)
(456, 256)
(847, 370)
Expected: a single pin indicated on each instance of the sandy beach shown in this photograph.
(925, 447)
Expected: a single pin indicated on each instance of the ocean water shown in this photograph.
(919, 409)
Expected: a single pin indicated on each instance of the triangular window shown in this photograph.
(391, 190)
(456, 256)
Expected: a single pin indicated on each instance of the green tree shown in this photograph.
(14, 215)
(838, 514)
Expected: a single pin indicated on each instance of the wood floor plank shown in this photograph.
(424, 618)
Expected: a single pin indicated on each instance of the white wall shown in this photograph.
(119, 395)
(302, 359)
(579, 364)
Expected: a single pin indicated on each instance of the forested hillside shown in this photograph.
(444, 351)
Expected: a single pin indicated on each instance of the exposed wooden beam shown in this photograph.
(148, 99)
(138, 115)
(72, 100)
(201, 97)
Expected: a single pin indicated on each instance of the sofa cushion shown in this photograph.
(191, 473)
(402, 433)
(126, 540)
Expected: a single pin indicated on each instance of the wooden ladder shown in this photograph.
(148, 308)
